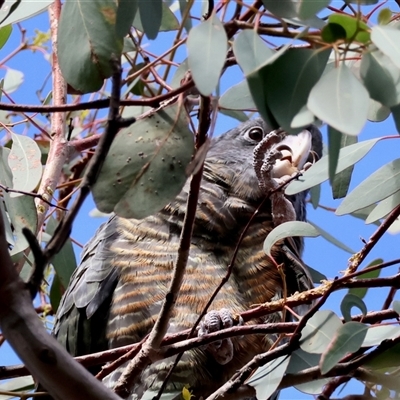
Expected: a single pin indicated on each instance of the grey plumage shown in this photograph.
(116, 293)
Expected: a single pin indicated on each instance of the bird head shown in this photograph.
(230, 158)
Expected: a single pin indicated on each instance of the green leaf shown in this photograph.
(378, 71)
(87, 40)
(318, 173)
(387, 359)
(12, 80)
(334, 140)
(55, 293)
(347, 339)
(168, 20)
(384, 16)
(333, 32)
(267, 378)
(378, 333)
(251, 51)
(315, 194)
(317, 333)
(236, 114)
(302, 118)
(346, 107)
(150, 16)
(126, 11)
(5, 33)
(341, 181)
(355, 28)
(387, 39)
(289, 229)
(25, 9)
(301, 360)
(377, 112)
(295, 9)
(361, 292)
(327, 236)
(396, 306)
(384, 208)
(349, 301)
(207, 45)
(396, 116)
(21, 209)
(237, 97)
(146, 166)
(381, 184)
(19, 384)
(288, 81)
(25, 163)
(64, 262)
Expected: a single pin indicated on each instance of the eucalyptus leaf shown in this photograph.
(341, 181)
(267, 378)
(361, 292)
(318, 173)
(150, 16)
(318, 332)
(346, 106)
(347, 339)
(378, 333)
(146, 166)
(381, 184)
(289, 229)
(64, 262)
(384, 208)
(349, 301)
(87, 40)
(387, 39)
(25, 163)
(237, 97)
(207, 45)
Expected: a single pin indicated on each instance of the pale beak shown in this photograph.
(295, 151)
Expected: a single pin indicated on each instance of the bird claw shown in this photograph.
(221, 350)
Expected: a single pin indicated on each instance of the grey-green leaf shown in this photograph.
(341, 181)
(349, 301)
(378, 71)
(381, 184)
(387, 39)
(377, 334)
(334, 140)
(287, 82)
(301, 360)
(12, 80)
(26, 9)
(267, 378)
(317, 333)
(64, 262)
(327, 236)
(25, 163)
(289, 229)
(87, 40)
(251, 51)
(150, 16)
(127, 9)
(384, 208)
(361, 292)
(207, 45)
(318, 173)
(237, 97)
(146, 166)
(347, 339)
(340, 100)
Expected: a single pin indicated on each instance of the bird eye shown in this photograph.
(256, 134)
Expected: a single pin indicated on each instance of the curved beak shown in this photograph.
(295, 150)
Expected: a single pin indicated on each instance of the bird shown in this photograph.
(116, 293)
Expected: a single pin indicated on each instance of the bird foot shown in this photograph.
(221, 350)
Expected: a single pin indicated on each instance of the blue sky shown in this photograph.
(319, 254)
